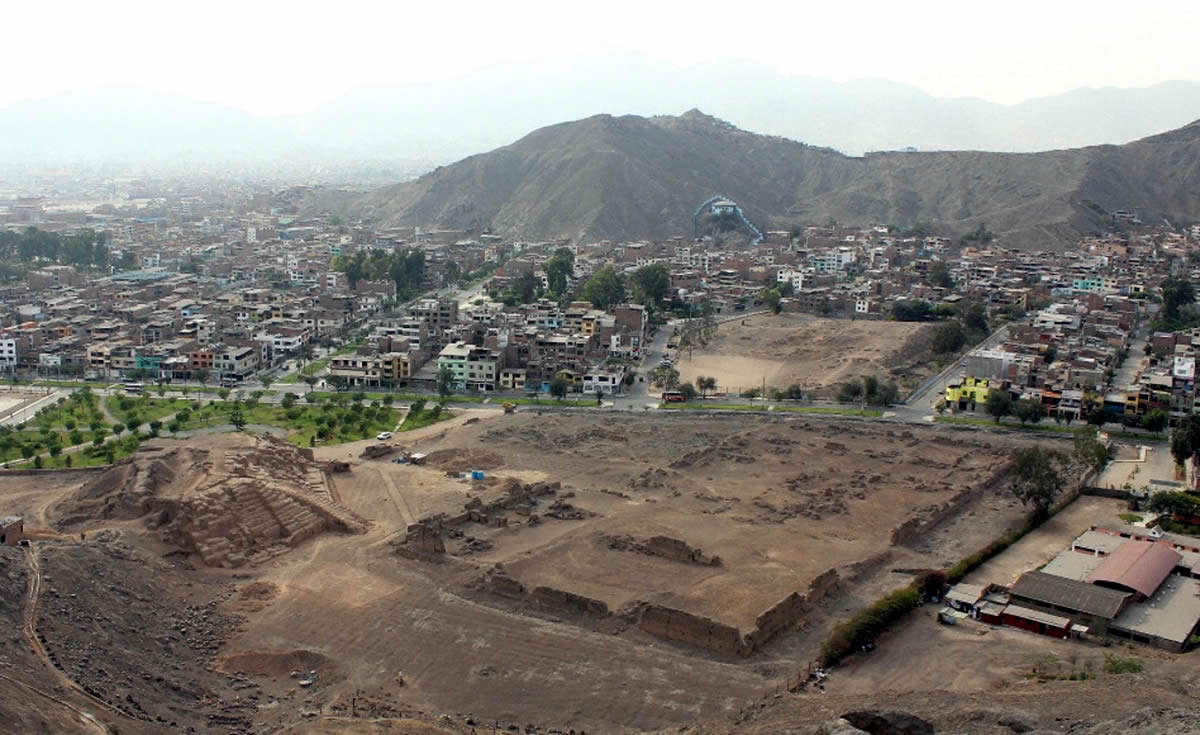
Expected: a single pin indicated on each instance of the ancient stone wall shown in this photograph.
(554, 599)
(694, 630)
(663, 546)
(424, 539)
(921, 524)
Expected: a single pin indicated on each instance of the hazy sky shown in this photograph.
(283, 57)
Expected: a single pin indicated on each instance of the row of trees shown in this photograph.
(1031, 411)
(868, 390)
(85, 248)
(405, 268)
(648, 285)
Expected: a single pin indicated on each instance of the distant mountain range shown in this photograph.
(633, 177)
(439, 123)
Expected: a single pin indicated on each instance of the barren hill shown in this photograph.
(635, 177)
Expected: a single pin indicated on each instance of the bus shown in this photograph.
(134, 387)
(672, 396)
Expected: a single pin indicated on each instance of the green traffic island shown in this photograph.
(67, 422)
(774, 408)
(420, 415)
(1052, 428)
(134, 411)
(329, 422)
(582, 400)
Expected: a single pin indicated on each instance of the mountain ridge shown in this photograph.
(441, 122)
(632, 177)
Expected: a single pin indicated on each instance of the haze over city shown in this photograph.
(428, 84)
(557, 368)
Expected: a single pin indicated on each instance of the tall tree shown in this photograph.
(605, 288)
(445, 381)
(1027, 410)
(999, 403)
(560, 268)
(1176, 294)
(651, 284)
(1036, 477)
(939, 275)
(772, 299)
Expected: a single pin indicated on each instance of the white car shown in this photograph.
(383, 435)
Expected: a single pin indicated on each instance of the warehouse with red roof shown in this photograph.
(1139, 567)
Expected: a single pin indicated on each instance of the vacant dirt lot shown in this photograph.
(1045, 543)
(813, 352)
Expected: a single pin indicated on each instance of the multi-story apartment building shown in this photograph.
(472, 368)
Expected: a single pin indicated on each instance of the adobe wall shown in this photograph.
(919, 525)
(551, 598)
(498, 582)
(788, 612)
(694, 630)
(665, 547)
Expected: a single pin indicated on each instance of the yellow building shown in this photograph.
(968, 390)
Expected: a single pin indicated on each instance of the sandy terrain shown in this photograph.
(820, 510)
(815, 352)
(1045, 543)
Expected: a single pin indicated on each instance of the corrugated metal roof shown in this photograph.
(1037, 616)
(1140, 566)
(1070, 594)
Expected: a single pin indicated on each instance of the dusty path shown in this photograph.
(397, 497)
(33, 592)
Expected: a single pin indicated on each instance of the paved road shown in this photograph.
(1129, 371)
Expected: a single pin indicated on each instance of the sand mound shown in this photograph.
(278, 664)
(259, 591)
(464, 460)
(233, 499)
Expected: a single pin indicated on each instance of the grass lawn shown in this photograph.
(143, 407)
(426, 417)
(1045, 428)
(829, 410)
(303, 422)
(77, 411)
(90, 457)
(11, 443)
(546, 401)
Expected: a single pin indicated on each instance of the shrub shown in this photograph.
(970, 563)
(1117, 665)
(868, 623)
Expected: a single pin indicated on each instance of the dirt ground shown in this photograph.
(1045, 542)
(779, 501)
(342, 623)
(814, 352)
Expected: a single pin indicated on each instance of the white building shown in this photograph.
(8, 354)
(602, 381)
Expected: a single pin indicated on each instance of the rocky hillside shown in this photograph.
(634, 177)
